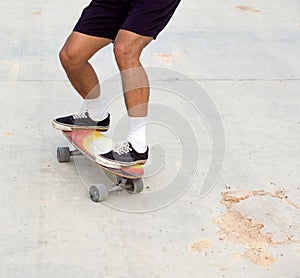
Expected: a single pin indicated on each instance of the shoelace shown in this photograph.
(122, 148)
(80, 116)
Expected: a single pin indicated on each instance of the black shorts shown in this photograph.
(104, 18)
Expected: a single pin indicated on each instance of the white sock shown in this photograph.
(96, 109)
(137, 133)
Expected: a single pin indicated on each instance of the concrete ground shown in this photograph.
(243, 56)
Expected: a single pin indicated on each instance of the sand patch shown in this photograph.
(258, 256)
(248, 9)
(258, 220)
(200, 245)
(8, 134)
(165, 57)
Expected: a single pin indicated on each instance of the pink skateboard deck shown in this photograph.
(91, 143)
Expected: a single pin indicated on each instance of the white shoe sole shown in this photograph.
(116, 164)
(63, 127)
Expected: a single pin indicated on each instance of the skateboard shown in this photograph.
(90, 143)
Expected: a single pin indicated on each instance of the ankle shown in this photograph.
(96, 109)
(137, 134)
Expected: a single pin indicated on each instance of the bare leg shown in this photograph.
(128, 47)
(74, 56)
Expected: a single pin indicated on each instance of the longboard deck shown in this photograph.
(91, 142)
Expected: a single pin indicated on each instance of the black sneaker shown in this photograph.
(80, 121)
(124, 155)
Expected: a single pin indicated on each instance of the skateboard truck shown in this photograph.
(99, 192)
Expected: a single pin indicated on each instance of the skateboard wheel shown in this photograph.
(98, 192)
(63, 154)
(137, 186)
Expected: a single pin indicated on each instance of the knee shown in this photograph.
(69, 57)
(124, 54)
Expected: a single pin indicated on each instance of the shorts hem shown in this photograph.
(85, 32)
(138, 32)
